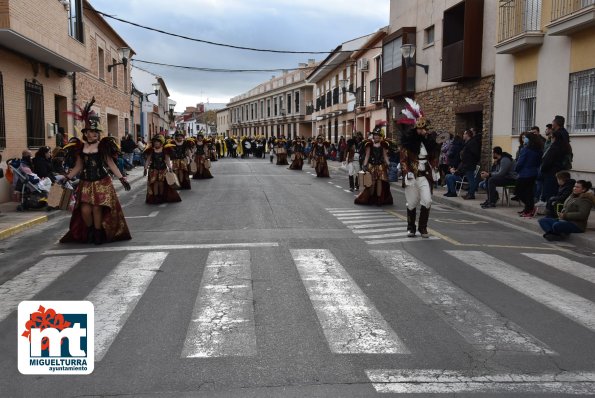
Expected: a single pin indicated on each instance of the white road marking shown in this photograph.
(338, 186)
(222, 321)
(561, 300)
(385, 235)
(349, 320)
(376, 225)
(367, 217)
(347, 190)
(151, 215)
(452, 382)
(565, 265)
(118, 293)
(387, 218)
(350, 210)
(163, 205)
(164, 247)
(30, 282)
(330, 182)
(377, 230)
(418, 239)
(359, 213)
(477, 323)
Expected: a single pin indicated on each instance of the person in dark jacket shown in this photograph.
(565, 185)
(470, 155)
(527, 168)
(502, 174)
(42, 163)
(454, 151)
(573, 216)
(553, 161)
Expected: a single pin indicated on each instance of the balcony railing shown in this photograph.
(374, 88)
(335, 95)
(309, 109)
(517, 17)
(562, 8)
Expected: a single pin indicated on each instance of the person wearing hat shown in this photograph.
(419, 164)
(352, 158)
(200, 158)
(298, 157)
(376, 163)
(281, 152)
(181, 153)
(319, 153)
(97, 216)
(157, 164)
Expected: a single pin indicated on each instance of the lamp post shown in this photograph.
(124, 54)
(408, 52)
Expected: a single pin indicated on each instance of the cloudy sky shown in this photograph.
(296, 25)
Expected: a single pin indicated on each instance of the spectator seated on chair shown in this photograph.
(573, 217)
(565, 186)
(503, 175)
(470, 155)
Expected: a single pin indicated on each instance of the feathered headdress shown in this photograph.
(414, 115)
(87, 116)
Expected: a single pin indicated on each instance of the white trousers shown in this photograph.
(353, 168)
(418, 192)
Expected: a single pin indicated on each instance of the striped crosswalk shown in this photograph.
(374, 226)
(222, 323)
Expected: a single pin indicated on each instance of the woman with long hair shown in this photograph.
(157, 164)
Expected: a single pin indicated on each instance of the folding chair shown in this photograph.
(464, 181)
(507, 190)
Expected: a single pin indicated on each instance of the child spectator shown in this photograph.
(565, 185)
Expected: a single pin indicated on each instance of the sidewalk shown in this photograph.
(13, 222)
(501, 212)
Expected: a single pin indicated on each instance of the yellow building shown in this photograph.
(545, 67)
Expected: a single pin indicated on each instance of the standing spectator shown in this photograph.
(342, 148)
(555, 159)
(443, 161)
(128, 146)
(527, 168)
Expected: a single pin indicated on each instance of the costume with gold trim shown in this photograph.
(156, 161)
(181, 154)
(201, 154)
(281, 151)
(318, 154)
(298, 155)
(376, 159)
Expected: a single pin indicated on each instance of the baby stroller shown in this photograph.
(31, 196)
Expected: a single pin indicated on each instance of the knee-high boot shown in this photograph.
(424, 215)
(411, 214)
(351, 183)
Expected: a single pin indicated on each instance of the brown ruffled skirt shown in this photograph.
(321, 167)
(201, 171)
(168, 195)
(98, 193)
(298, 162)
(379, 193)
(282, 159)
(181, 169)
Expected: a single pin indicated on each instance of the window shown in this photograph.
(297, 102)
(75, 20)
(114, 74)
(34, 114)
(268, 107)
(101, 63)
(275, 112)
(2, 117)
(429, 35)
(288, 103)
(282, 110)
(261, 109)
(581, 102)
(391, 53)
(523, 111)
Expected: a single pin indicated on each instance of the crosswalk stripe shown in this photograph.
(164, 247)
(563, 264)
(118, 293)
(368, 219)
(477, 323)
(376, 225)
(27, 284)
(376, 230)
(566, 303)
(358, 213)
(452, 382)
(386, 235)
(223, 316)
(418, 239)
(347, 211)
(349, 320)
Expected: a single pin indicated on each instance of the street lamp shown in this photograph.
(124, 53)
(155, 92)
(408, 52)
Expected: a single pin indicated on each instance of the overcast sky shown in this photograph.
(297, 25)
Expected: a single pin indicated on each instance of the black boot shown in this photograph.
(99, 236)
(424, 215)
(356, 178)
(90, 235)
(351, 183)
(411, 214)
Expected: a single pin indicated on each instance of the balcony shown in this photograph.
(519, 26)
(375, 96)
(462, 41)
(570, 16)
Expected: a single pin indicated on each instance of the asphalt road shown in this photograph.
(267, 282)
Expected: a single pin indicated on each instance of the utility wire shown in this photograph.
(223, 44)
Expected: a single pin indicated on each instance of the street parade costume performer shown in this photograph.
(97, 216)
(352, 158)
(298, 155)
(281, 152)
(200, 157)
(419, 164)
(319, 153)
(181, 156)
(376, 163)
(157, 164)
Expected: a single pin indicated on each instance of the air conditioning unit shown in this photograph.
(362, 64)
